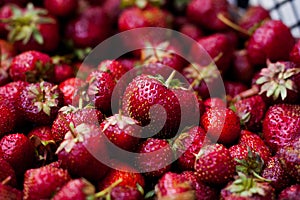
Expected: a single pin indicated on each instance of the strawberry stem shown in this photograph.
(254, 90)
(232, 24)
(5, 181)
(107, 190)
(170, 78)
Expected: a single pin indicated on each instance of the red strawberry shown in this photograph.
(71, 90)
(205, 13)
(62, 72)
(251, 112)
(8, 116)
(234, 88)
(114, 67)
(262, 46)
(290, 193)
(11, 91)
(38, 32)
(281, 125)
(100, 89)
(122, 131)
(132, 18)
(125, 193)
(222, 125)
(7, 171)
(7, 53)
(44, 182)
(61, 8)
(18, 151)
(155, 157)
(239, 151)
(295, 53)
(79, 189)
(242, 69)
(187, 144)
(191, 30)
(214, 165)
(214, 102)
(40, 102)
(31, 66)
(174, 186)
(290, 160)
(275, 172)
(246, 188)
(9, 193)
(78, 150)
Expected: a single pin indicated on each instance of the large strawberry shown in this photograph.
(11, 91)
(61, 8)
(281, 125)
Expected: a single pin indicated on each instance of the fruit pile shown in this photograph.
(62, 138)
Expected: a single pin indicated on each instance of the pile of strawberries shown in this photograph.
(60, 138)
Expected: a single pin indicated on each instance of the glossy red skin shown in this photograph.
(222, 124)
(281, 125)
(70, 88)
(191, 30)
(215, 166)
(256, 144)
(157, 159)
(267, 43)
(238, 151)
(290, 193)
(42, 183)
(125, 193)
(214, 102)
(295, 54)
(26, 63)
(62, 72)
(274, 171)
(132, 18)
(187, 145)
(9, 193)
(204, 13)
(61, 8)
(18, 151)
(6, 170)
(114, 67)
(8, 116)
(12, 90)
(242, 69)
(234, 88)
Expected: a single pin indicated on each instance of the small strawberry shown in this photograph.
(6, 171)
(234, 88)
(191, 30)
(295, 53)
(31, 66)
(221, 124)
(79, 189)
(44, 182)
(155, 157)
(71, 89)
(62, 72)
(8, 116)
(214, 165)
(9, 193)
(290, 193)
(77, 151)
(262, 46)
(242, 69)
(132, 18)
(214, 102)
(114, 67)
(40, 102)
(61, 8)
(281, 125)
(18, 151)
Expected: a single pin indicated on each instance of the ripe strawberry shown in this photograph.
(242, 69)
(214, 102)
(31, 66)
(295, 53)
(144, 99)
(281, 125)
(205, 13)
(214, 165)
(122, 131)
(78, 150)
(187, 145)
(9, 193)
(234, 88)
(18, 151)
(6, 171)
(71, 89)
(79, 189)
(114, 67)
(61, 8)
(262, 46)
(155, 157)
(8, 116)
(238, 151)
(191, 30)
(174, 186)
(44, 182)
(62, 72)
(100, 89)
(290, 193)
(290, 160)
(125, 193)
(275, 172)
(132, 18)
(38, 32)
(222, 125)
(11, 91)
(39, 102)
(251, 112)
(244, 187)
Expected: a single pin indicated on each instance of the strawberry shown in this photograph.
(44, 182)
(222, 125)
(214, 102)
(251, 112)
(234, 88)
(262, 46)
(8, 116)
(38, 32)
(187, 144)
(132, 18)
(7, 53)
(275, 172)
(214, 165)
(290, 193)
(238, 151)
(9, 193)
(191, 30)
(18, 151)
(155, 157)
(39, 102)
(79, 189)
(144, 99)
(78, 149)
(61, 8)
(7, 171)
(100, 89)
(11, 91)
(122, 131)
(62, 72)
(114, 67)
(174, 186)
(242, 69)
(295, 53)
(246, 188)
(125, 193)
(205, 13)
(289, 157)
(71, 90)
(31, 66)
(281, 125)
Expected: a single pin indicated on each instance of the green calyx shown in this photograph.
(171, 82)
(141, 3)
